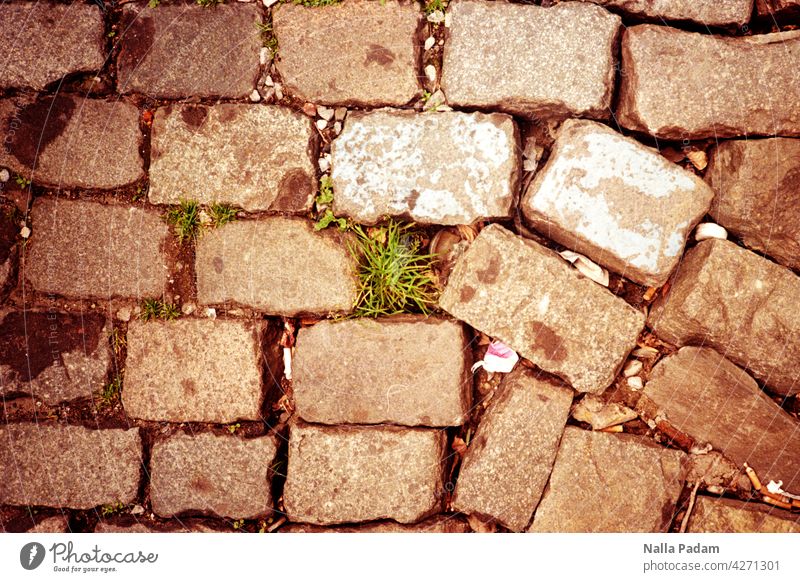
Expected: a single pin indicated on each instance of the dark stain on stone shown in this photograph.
(226, 113)
(411, 200)
(490, 273)
(790, 183)
(189, 386)
(466, 294)
(194, 115)
(8, 236)
(293, 191)
(34, 127)
(544, 338)
(498, 120)
(136, 41)
(219, 265)
(201, 484)
(543, 398)
(33, 342)
(379, 55)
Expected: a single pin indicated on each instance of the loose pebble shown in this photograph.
(210, 312)
(124, 314)
(325, 113)
(255, 96)
(269, 82)
(632, 368)
(645, 352)
(698, 158)
(337, 127)
(188, 308)
(430, 73)
(310, 109)
(321, 124)
(5, 176)
(269, 3)
(429, 42)
(278, 91)
(341, 113)
(325, 163)
(635, 383)
(264, 56)
(707, 230)
(436, 17)
(25, 232)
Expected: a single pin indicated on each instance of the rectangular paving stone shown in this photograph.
(727, 13)
(721, 515)
(253, 156)
(616, 201)
(44, 41)
(435, 524)
(509, 460)
(68, 466)
(745, 306)
(277, 265)
(348, 474)
(185, 50)
(734, 86)
(418, 372)
(194, 370)
(222, 475)
(442, 168)
(532, 61)
(323, 61)
(54, 356)
(88, 249)
(524, 294)
(710, 399)
(757, 186)
(605, 482)
(72, 142)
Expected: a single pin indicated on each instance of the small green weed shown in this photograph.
(329, 218)
(22, 182)
(209, 2)
(158, 309)
(325, 195)
(111, 508)
(221, 214)
(110, 393)
(432, 6)
(232, 428)
(185, 219)
(154, 3)
(394, 277)
(238, 524)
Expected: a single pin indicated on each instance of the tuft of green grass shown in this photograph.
(111, 391)
(221, 214)
(394, 276)
(117, 340)
(209, 2)
(432, 6)
(268, 38)
(158, 309)
(185, 219)
(111, 508)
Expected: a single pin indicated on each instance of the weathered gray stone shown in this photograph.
(727, 13)
(417, 372)
(196, 370)
(54, 356)
(757, 185)
(726, 297)
(436, 524)
(224, 475)
(43, 41)
(277, 265)
(604, 482)
(509, 460)
(72, 142)
(777, 7)
(720, 515)
(351, 474)
(68, 466)
(524, 294)
(252, 156)
(322, 61)
(444, 168)
(181, 50)
(532, 61)
(708, 398)
(734, 86)
(87, 249)
(54, 524)
(616, 201)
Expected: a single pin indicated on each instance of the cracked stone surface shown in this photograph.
(526, 295)
(426, 381)
(616, 201)
(198, 152)
(559, 61)
(721, 515)
(726, 297)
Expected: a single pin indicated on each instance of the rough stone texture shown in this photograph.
(777, 7)
(720, 515)
(532, 61)
(603, 482)
(616, 201)
(276, 265)
(252, 156)
(417, 372)
(55, 524)
(510, 458)
(72, 142)
(705, 396)
(324, 60)
(124, 524)
(713, 469)
(757, 185)
(194, 370)
(54, 356)
(181, 50)
(68, 466)
(524, 294)
(726, 13)
(728, 298)
(87, 249)
(436, 524)
(9, 230)
(352, 474)
(444, 168)
(223, 475)
(43, 41)
(734, 86)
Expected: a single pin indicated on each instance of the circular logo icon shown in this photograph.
(31, 555)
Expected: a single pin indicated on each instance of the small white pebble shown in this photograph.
(436, 17)
(264, 55)
(210, 312)
(188, 308)
(341, 113)
(25, 232)
(269, 3)
(706, 230)
(321, 124)
(269, 82)
(278, 91)
(337, 127)
(325, 113)
(635, 383)
(255, 96)
(429, 42)
(124, 314)
(430, 72)
(324, 164)
(632, 368)
(5, 176)
(287, 363)
(645, 352)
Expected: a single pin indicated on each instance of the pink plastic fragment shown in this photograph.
(499, 358)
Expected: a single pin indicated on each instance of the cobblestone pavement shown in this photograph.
(184, 347)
